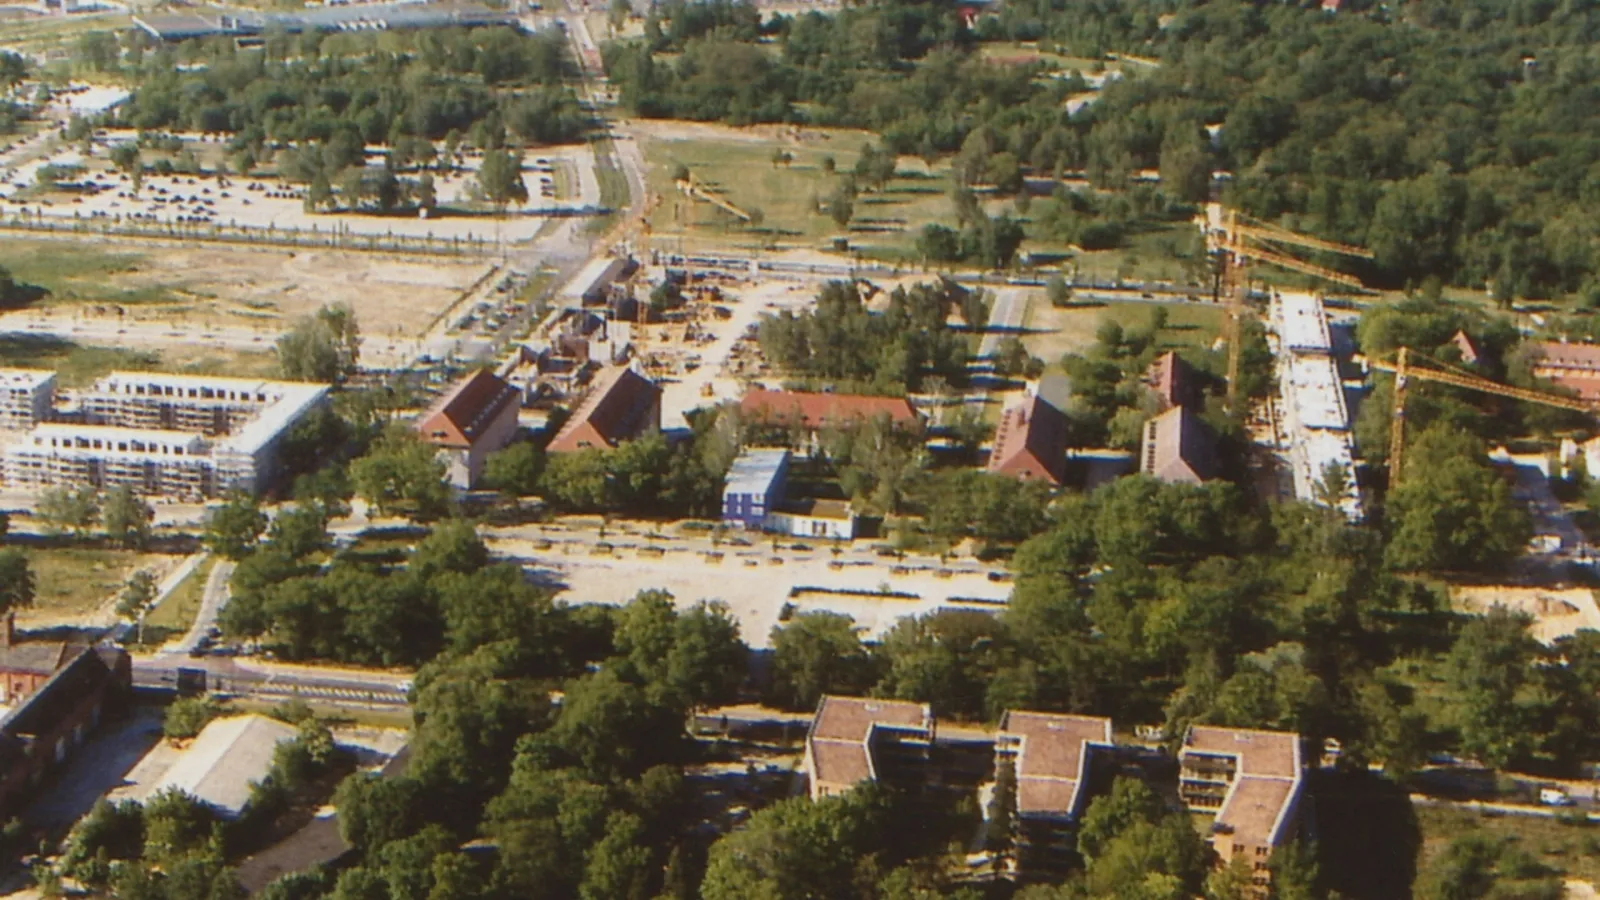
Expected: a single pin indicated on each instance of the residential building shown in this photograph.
(184, 435)
(1031, 442)
(1173, 381)
(1575, 367)
(246, 23)
(754, 487)
(476, 417)
(226, 760)
(856, 739)
(41, 731)
(1050, 757)
(831, 519)
(1469, 350)
(621, 405)
(1252, 782)
(26, 397)
(815, 412)
(26, 665)
(1178, 448)
(1314, 416)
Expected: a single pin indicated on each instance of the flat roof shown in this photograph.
(753, 471)
(1302, 323)
(1266, 782)
(29, 378)
(1052, 758)
(271, 421)
(840, 739)
(1273, 754)
(115, 433)
(1311, 387)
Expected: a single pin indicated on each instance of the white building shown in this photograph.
(226, 761)
(26, 397)
(831, 519)
(181, 435)
(1316, 419)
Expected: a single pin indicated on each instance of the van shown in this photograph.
(1554, 796)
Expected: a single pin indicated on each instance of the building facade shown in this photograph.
(1050, 756)
(39, 734)
(178, 435)
(856, 739)
(1252, 782)
(754, 487)
(832, 520)
(621, 405)
(475, 418)
(26, 398)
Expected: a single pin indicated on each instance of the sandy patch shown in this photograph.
(1556, 613)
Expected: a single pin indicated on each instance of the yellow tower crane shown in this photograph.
(1239, 240)
(1405, 369)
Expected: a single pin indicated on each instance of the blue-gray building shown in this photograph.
(754, 486)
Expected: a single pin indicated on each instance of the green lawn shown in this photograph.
(1054, 332)
(80, 364)
(176, 613)
(79, 580)
(75, 273)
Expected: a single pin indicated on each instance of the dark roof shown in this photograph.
(1172, 379)
(821, 410)
(1031, 441)
(459, 418)
(36, 657)
(1178, 447)
(88, 671)
(618, 407)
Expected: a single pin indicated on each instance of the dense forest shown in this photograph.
(1452, 139)
(329, 96)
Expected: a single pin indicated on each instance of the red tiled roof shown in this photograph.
(1575, 367)
(459, 418)
(622, 404)
(821, 410)
(1172, 379)
(1031, 442)
(1178, 447)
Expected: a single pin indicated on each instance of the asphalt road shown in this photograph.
(211, 603)
(277, 682)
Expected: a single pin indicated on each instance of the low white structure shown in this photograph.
(227, 759)
(831, 519)
(183, 435)
(1316, 419)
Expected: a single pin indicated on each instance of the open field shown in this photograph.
(33, 33)
(1053, 332)
(230, 287)
(76, 581)
(1573, 850)
(737, 162)
(79, 364)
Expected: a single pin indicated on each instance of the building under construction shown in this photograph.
(175, 435)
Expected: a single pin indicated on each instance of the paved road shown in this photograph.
(211, 603)
(1005, 320)
(271, 681)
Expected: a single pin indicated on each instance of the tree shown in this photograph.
(617, 867)
(818, 653)
(65, 508)
(126, 517)
(1453, 512)
(136, 598)
(400, 475)
(300, 532)
(17, 583)
(323, 347)
(500, 177)
(125, 156)
(234, 528)
(452, 546)
(188, 716)
(1489, 671)
(427, 195)
(515, 470)
(797, 849)
(841, 207)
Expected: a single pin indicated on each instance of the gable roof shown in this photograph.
(618, 407)
(36, 657)
(1178, 447)
(460, 417)
(1031, 442)
(87, 670)
(227, 757)
(1172, 379)
(821, 410)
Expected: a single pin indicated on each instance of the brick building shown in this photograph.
(473, 419)
(620, 405)
(41, 731)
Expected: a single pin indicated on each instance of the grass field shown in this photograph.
(74, 272)
(788, 196)
(80, 364)
(79, 580)
(1053, 332)
(176, 613)
(1571, 849)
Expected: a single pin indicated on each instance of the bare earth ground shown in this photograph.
(266, 289)
(1556, 613)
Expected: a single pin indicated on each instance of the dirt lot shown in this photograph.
(264, 288)
(1556, 613)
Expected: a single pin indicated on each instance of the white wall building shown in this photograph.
(180, 435)
(1316, 420)
(830, 519)
(26, 397)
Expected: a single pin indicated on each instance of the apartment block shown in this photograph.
(858, 739)
(26, 398)
(1252, 782)
(178, 435)
(1050, 756)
